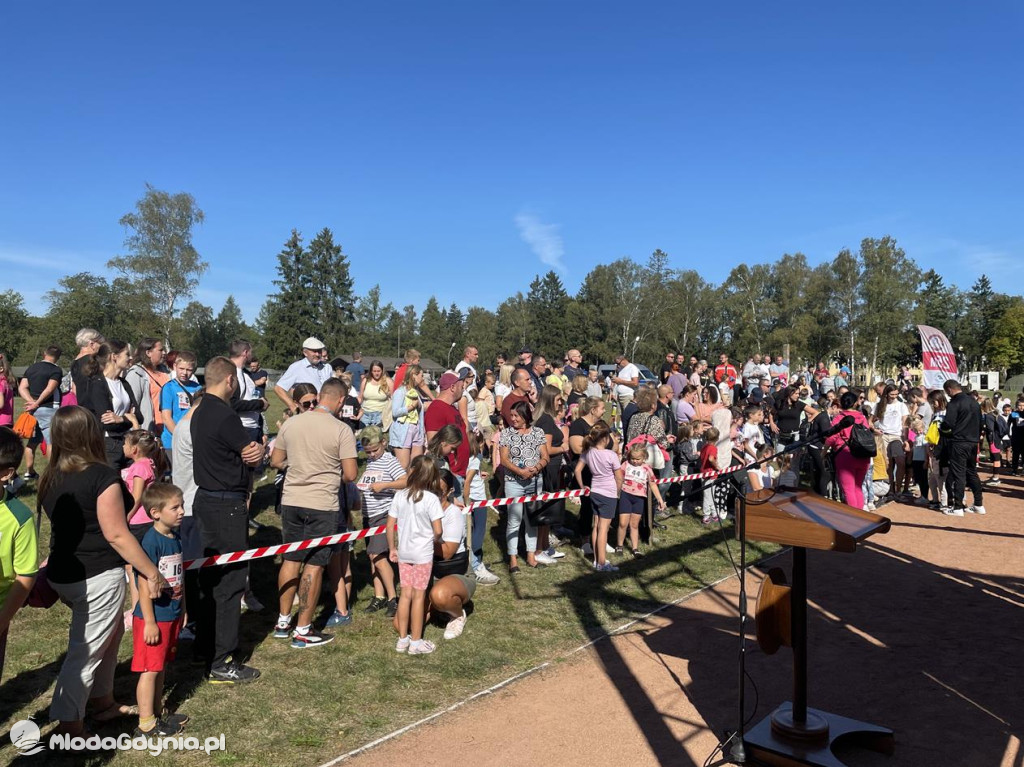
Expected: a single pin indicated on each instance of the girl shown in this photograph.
(417, 513)
(918, 458)
(445, 441)
(687, 459)
(473, 490)
(407, 407)
(483, 402)
(993, 435)
(637, 476)
(762, 476)
(709, 462)
(374, 394)
(382, 478)
(605, 485)
(143, 450)
(6, 393)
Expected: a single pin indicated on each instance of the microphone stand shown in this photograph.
(738, 753)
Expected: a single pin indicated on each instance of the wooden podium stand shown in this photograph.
(795, 734)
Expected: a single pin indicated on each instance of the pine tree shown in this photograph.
(288, 317)
(331, 294)
(432, 332)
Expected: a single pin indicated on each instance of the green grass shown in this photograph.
(311, 706)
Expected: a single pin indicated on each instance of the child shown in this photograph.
(709, 462)
(177, 395)
(382, 477)
(751, 433)
(787, 477)
(156, 623)
(637, 476)
(605, 486)
(351, 410)
(687, 459)
(417, 513)
(143, 449)
(19, 557)
(919, 458)
(473, 490)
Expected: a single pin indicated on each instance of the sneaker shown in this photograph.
(608, 567)
(976, 509)
(922, 501)
(233, 673)
(337, 619)
(707, 520)
(187, 633)
(176, 720)
(553, 541)
(392, 607)
(485, 577)
(255, 526)
(618, 550)
(162, 729)
(377, 603)
(251, 603)
(282, 630)
(421, 647)
(993, 482)
(869, 507)
(311, 638)
(402, 645)
(637, 553)
(934, 506)
(949, 511)
(544, 559)
(30, 475)
(455, 626)
(662, 515)
(587, 549)
(554, 553)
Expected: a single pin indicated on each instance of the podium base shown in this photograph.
(766, 742)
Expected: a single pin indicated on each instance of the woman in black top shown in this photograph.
(784, 418)
(551, 405)
(820, 426)
(87, 505)
(109, 398)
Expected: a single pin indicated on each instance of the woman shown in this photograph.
(146, 377)
(374, 394)
(784, 419)
(504, 385)
(588, 413)
(87, 505)
(889, 419)
(7, 389)
(547, 417)
(702, 411)
(850, 469)
(820, 425)
(451, 590)
(108, 397)
(644, 422)
(524, 454)
(407, 438)
(483, 403)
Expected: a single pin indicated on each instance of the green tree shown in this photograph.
(432, 332)
(1006, 347)
(482, 332)
(515, 324)
(231, 325)
(746, 294)
(787, 306)
(371, 319)
(287, 317)
(455, 332)
(548, 304)
(14, 323)
(199, 332)
(331, 292)
(888, 291)
(161, 261)
(846, 287)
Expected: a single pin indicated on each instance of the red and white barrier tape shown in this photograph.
(330, 540)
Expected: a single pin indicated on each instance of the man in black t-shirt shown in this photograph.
(40, 388)
(666, 367)
(222, 453)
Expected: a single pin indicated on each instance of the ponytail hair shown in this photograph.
(599, 432)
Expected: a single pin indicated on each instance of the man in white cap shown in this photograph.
(310, 369)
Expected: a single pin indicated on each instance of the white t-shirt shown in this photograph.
(415, 531)
(477, 489)
(247, 392)
(181, 465)
(501, 390)
(453, 527)
(752, 435)
(892, 420)
(118, 396)
(628, 372)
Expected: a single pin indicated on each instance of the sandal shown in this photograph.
(514, 570)
(113, 711)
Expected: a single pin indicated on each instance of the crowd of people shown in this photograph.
(148, 468)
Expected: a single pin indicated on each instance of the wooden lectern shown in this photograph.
(794, 734)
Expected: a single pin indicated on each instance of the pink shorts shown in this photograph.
(414, 576)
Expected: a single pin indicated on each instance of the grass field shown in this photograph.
(312, 705)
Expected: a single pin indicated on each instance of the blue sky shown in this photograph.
(459, 148)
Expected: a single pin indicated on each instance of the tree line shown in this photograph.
(860, 308)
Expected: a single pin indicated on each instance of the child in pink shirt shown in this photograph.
(637, 476)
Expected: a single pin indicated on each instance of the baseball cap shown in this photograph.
(526, 350)
(313, 343)
(450, 378)
(844, 369)
(776, 382)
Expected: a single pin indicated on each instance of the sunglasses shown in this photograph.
(307, 404)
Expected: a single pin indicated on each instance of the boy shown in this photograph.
(709, 462)
(19, 554)
(156, 623)
(177, 395)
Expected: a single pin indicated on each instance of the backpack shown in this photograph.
(861, 442)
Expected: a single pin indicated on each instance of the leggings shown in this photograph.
(850, 473)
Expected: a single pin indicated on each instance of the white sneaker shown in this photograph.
(455, 626)
(949, 511)
(421, 647)
(609, 549)
(544, 559)
(870, 507)
(977, 509)
(485, 577)
(554, 553)
(402, 645)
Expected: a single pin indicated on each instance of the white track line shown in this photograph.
(494, 688)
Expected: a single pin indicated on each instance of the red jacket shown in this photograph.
(727, 372)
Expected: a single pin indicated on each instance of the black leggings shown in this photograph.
(822, 474)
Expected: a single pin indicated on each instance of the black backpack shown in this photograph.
(861, 442)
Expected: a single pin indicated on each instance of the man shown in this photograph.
(310, 369)
(469, 357)
(594, 382)
(725, 371)
(526, 363)
(960, 434)
(319, 452)
(259, 377)
(753, 372)
(571, 369)
(223, 454)
(355, 367)
(522, 390)
(467, 408)
(779, 369)
(249, 407)
(412, 357)
(539, 372)
(666, 367)
(842, 379)
(625, 382)
(444, 410)
(88, 342)
(40, 388)
(762, 393)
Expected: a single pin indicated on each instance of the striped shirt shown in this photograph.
(383, 469)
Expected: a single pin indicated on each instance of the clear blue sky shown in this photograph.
(430, 137)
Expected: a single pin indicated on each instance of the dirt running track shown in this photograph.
(920, 630)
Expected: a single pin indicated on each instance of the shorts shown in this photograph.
(632, 504)
(894, 449)
(372, 419)
(406, 435)
(604, 507)
(299, 524)
(376, 544)
(154, 657)
(469, 584)
(414, 576)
